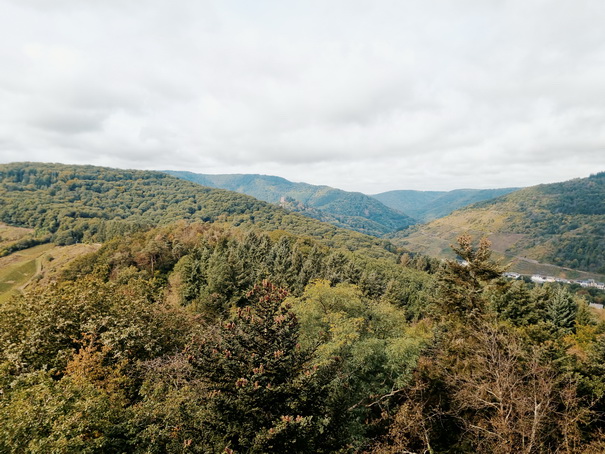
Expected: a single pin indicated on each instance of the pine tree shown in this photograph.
(561, 309)
(516, 305)
(462, 282)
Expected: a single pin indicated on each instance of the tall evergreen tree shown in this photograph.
(463, 281)
(561, 309)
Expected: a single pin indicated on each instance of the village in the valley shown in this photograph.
(543, 279)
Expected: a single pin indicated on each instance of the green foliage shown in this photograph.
(132, 307)
(428, 205)
(561, 309)
(44, 328)
(462, 283)
(41, 414)
(163, 340)
(517, 305)
(375, 349)
(86, 203)
(211, 268)
(523, 384)
(255, 388)
(561, 224)
(351, 210)
(340, 322)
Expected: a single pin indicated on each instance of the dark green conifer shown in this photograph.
(561, 309)
(462, 282)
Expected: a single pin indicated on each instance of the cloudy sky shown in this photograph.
(365, 95)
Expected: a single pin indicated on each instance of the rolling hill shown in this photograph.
(352, 210)
(70, 204)
(426, 206)
(562, 224)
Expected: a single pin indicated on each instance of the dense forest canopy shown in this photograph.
(228, 335)
(194, 337)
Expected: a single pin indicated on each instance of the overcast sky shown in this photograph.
(362, 95)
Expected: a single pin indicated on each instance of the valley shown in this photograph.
(538, 228)
(351, 210)
(526, 232)
(426, 206)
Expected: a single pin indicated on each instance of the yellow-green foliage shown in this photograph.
(43, 415)
(10, 234)
(371, 337)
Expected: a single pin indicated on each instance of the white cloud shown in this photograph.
(363, 95)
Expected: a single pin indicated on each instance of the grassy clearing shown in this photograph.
(598, 313)
(17, 269)
(16, 276)
(9, 234)
(42, 262)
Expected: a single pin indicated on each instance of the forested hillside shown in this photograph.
(426, 206)
(352, 210)
(200, 338)
(241, 328)
(562, 224)
(68, 204)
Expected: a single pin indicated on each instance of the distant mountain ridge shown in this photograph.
(561, 224)
(352, 210)
(426, 206)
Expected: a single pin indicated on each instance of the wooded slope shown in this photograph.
(561, 224)
(352, 210)
(84, 203)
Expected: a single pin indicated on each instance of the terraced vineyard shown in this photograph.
(559, 224)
